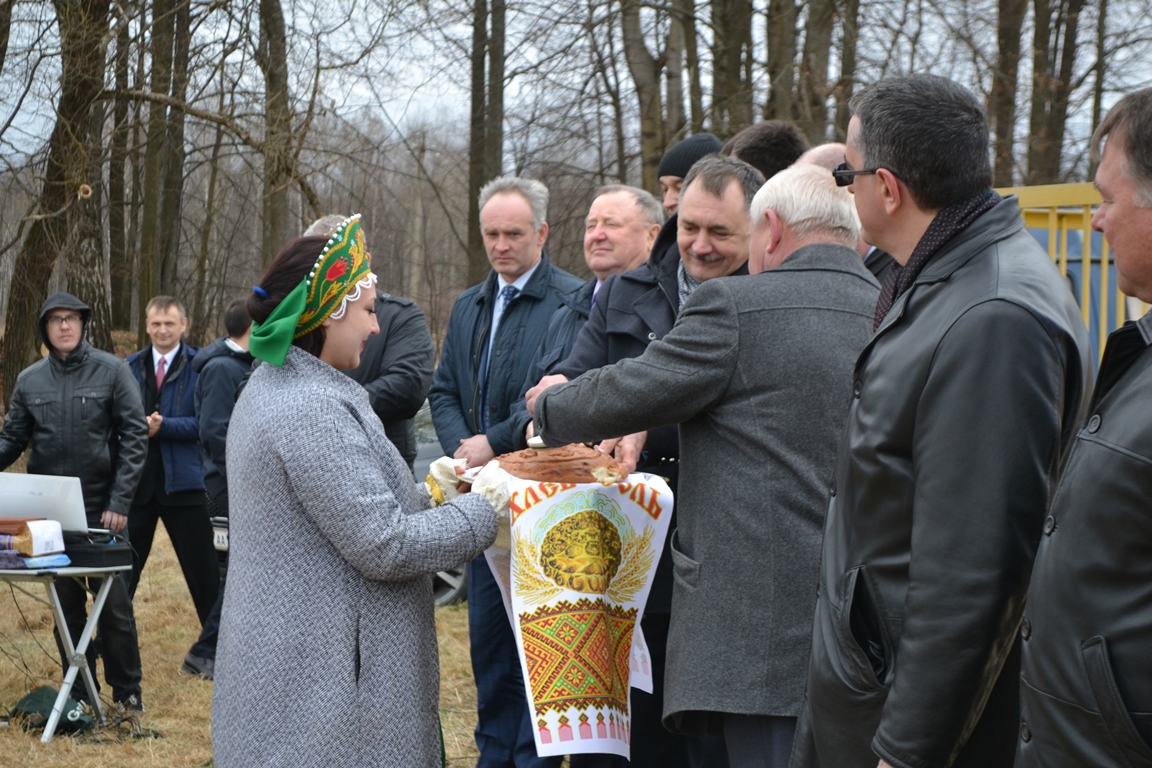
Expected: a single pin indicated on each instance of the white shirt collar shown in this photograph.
(168, 358)
(520, 281)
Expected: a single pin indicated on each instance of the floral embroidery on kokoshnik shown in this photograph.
(338, 276)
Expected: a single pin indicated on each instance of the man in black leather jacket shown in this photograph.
(80, 410)
(1086, 681)
(964, 404)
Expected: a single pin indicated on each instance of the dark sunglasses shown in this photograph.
(845, 175)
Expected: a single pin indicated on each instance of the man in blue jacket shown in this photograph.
(172, 486)
(493, 333)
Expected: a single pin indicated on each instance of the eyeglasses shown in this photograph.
(57, 320)
(845, 175)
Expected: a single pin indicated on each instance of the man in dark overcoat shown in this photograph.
(964, 404)
(1086, 681)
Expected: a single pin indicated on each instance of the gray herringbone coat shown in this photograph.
(758, 373)
(327, 653)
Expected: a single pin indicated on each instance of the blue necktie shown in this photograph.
(506, 297)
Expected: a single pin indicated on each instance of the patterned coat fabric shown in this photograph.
(327, 653)
(757, 372)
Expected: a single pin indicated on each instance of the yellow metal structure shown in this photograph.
(1061, 208)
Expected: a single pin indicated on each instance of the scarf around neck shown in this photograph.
(948, 223)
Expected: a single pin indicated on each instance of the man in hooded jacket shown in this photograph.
(80, 410)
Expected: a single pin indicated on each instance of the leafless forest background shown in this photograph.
(170, 146)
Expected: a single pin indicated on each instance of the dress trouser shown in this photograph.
(205, 645)
(653, 746)
(120, 648)
(504, 732)
(191, 534)
(759, 741)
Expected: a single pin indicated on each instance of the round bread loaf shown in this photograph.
(573, 463)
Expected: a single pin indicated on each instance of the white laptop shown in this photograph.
(47, 496)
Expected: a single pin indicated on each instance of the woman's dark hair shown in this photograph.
(291, 265)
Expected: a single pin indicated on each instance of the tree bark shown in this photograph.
(494, 141)
(83, 25)
(1009, 28)
(477, 260)
(173, 185)
(85, 253)
(850, 30)
(1054, 41)
(1101, 71)
(813, 85)
(5, 28)
(731, 51)
(120, 264)
(277, 129)
(674, 124)
(163, 23)
(645, 71)
(781, 59)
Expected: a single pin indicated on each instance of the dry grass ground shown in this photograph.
(179, 706)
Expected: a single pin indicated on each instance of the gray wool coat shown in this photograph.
(327, 653)
(758, 373)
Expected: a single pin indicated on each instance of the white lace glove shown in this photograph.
(442, 479)
(492, 484)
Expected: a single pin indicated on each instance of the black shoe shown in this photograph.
(131, 703)
(198, 665)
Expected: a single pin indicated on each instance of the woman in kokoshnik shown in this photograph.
(327, 652)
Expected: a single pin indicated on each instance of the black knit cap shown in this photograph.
(679, 159)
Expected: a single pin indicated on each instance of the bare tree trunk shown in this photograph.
(494, 141)
(5, 28)
(477, 261)
(86, 273)
(813, 86)
(277, 129)
(1009, 27)
(201, 301)
(163, 20)
(645, 71)
(685, 11)
(173, 186)
(83, 25)
(1101, 70)
(675, 124)
(849, 25)
(731, 49)
(1054, 40)
(120, 265)
(781, 59)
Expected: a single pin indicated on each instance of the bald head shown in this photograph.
(826, 155)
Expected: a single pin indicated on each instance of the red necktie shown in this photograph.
(159, 374)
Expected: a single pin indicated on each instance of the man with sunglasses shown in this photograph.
(964, 403)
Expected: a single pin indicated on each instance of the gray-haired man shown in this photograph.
(493, 333)
(756, 372)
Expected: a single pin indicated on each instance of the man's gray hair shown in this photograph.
(807, 199)
(1129, 123)
(716, 172)
(650, 208)
(325, 225)
(531, 190)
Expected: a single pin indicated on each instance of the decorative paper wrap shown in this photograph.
(575, 582)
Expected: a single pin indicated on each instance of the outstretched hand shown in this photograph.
(546, 382)
(626, 449)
